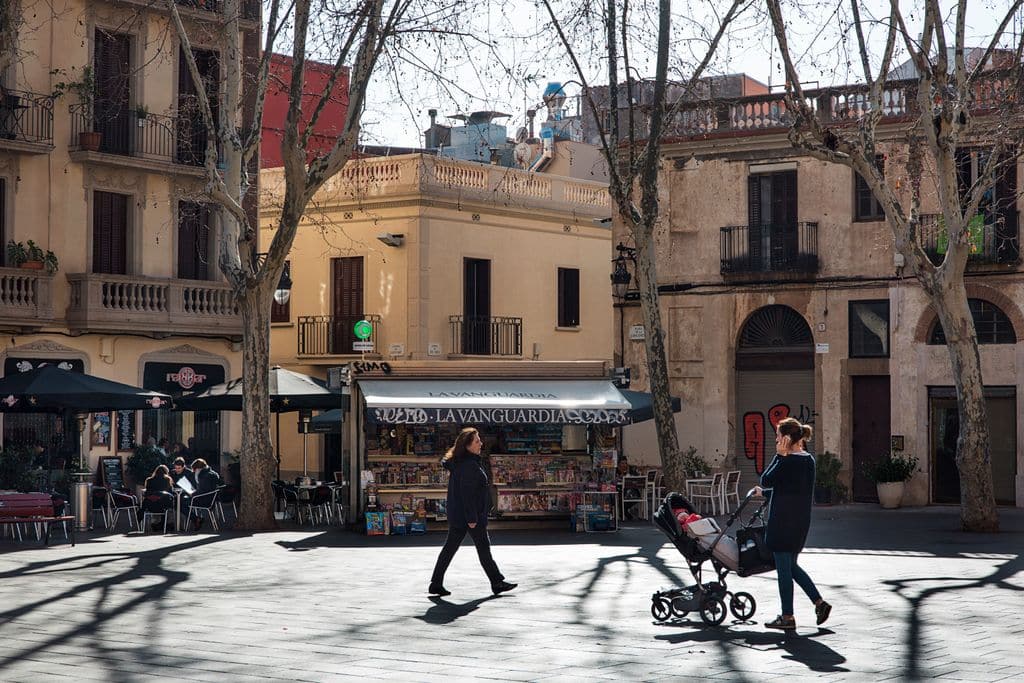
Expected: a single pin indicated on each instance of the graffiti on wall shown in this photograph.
(755, 427)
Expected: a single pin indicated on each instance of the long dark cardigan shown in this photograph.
(469, 496)
(790, 479)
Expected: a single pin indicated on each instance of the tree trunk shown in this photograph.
(657, 366)
(973, 454)
(258, 464)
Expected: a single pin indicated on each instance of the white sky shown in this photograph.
(527, 55)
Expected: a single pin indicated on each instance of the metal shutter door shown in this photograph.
(764, 397)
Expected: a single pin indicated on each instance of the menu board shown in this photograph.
(112, 472)
(125, 430)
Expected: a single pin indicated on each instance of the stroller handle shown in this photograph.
(751, 493)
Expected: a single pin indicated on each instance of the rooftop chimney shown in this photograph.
(530, 115)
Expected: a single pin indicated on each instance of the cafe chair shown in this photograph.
(119, 502)
(710, 491)
(655, 488)
(149, 517)
(100, 504)
(731, 489)
(226, 496)
(203, 503)
(634, 490)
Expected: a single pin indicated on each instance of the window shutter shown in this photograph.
(193, 241)
(568, 297)
(110, 233)
(3, 220)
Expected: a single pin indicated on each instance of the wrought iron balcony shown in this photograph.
(993, 239)
(250, 8)
(27, 118)
(130, 133)
(770, 248)
(100, 302)
(486, 335)
(329, 335)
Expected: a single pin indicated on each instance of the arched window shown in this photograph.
(776, 328)
(992, 325)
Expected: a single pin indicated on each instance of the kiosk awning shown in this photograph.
(494, 402)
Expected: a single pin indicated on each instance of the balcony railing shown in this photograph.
(168, 139)
(122, 303)
(836, 105)
(26, 296)
(992, 239)
(26, 117)
(329, 335)
(250, 8)
(486, 335)
(770, 248)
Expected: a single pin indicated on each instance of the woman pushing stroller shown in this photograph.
(789, 482)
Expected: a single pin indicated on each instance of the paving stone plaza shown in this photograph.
(914, 600)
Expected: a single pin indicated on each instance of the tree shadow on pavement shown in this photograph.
(799, 647)
(445, 612)
(999, 578)
(109, 589)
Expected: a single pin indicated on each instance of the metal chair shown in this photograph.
(203, 503)
(148, 517)
(634, 485)
(731, 489)
(227, 496)
(711, 492)
(119, 502)
(655, 488)
(99, 495)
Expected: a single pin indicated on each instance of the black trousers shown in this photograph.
(483, 550)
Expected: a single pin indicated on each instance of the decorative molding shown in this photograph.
(186, 350)
(44, 346)
(183, 353)
(127, 181)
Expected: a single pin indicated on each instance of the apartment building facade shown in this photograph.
(100, 152)
(782, 296)
(455, 264)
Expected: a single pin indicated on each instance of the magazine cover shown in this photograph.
(378, 524)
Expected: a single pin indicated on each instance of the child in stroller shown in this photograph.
(701, 540)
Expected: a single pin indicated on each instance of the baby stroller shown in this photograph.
(701, 540)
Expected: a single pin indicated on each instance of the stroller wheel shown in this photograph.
(660, 609)
(743, 606)
(677, 606)
(712, 611)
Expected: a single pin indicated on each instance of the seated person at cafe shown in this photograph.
(179, 470)
(207, 481)
(158, 497)
(623, 469)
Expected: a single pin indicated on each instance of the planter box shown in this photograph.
(890, 494)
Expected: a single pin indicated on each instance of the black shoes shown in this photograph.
(822, 610)
(438, 589)
(502, 587)
(783, 623)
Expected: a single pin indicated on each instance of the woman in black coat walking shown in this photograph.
(789, 480)
(469, 501)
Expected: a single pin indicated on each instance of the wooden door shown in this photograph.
(346, 301)
(110, 233)
(772, 217)
(476, 307)
(111, 110)
(871, 425)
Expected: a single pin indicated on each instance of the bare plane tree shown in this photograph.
(10, 21)
(356, 33)
(631, 130)
(956, 103)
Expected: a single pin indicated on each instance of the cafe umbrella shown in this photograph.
(289, 392)
(52, 389)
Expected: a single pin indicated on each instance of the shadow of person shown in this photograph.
(444, 612)
(799, 647)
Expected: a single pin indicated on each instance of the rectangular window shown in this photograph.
(869, 329)
(110, 233)
(282, 313)
(3, 220)
(865, 206)
(193, 241)
(568, 297)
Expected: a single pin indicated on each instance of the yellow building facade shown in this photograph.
(99, 164)
(453, 262)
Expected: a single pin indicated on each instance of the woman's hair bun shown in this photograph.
(808, 432)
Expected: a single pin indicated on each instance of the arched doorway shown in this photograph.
(774, 380)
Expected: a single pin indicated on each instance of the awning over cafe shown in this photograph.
(494, 402)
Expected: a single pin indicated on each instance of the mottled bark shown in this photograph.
(10, 22)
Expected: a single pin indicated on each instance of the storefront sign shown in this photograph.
(14, 365)
(370, 368)
(497, 416)
(125, 430)
(179, 378)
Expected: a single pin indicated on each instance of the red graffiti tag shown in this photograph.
(777, 413)
(753, 439)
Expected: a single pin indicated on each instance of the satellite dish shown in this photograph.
(523, 154)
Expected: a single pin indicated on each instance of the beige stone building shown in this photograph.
(454, 262)
(99, 156)
(781, 295)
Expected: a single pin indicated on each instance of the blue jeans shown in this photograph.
(788, 571)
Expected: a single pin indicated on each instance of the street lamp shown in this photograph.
(620, 276)
(284, 286)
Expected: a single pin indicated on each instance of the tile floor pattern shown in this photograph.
(914, 600)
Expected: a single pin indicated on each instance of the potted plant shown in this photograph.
(31, 256)
(17, 469)
(142, 462)
(694, 464)
(16, 254)
(889, 473)
(85, 90)
(827, 487)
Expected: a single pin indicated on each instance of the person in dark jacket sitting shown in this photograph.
(207, 481)
(469, 502)
(158, 496)
(789, 480)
